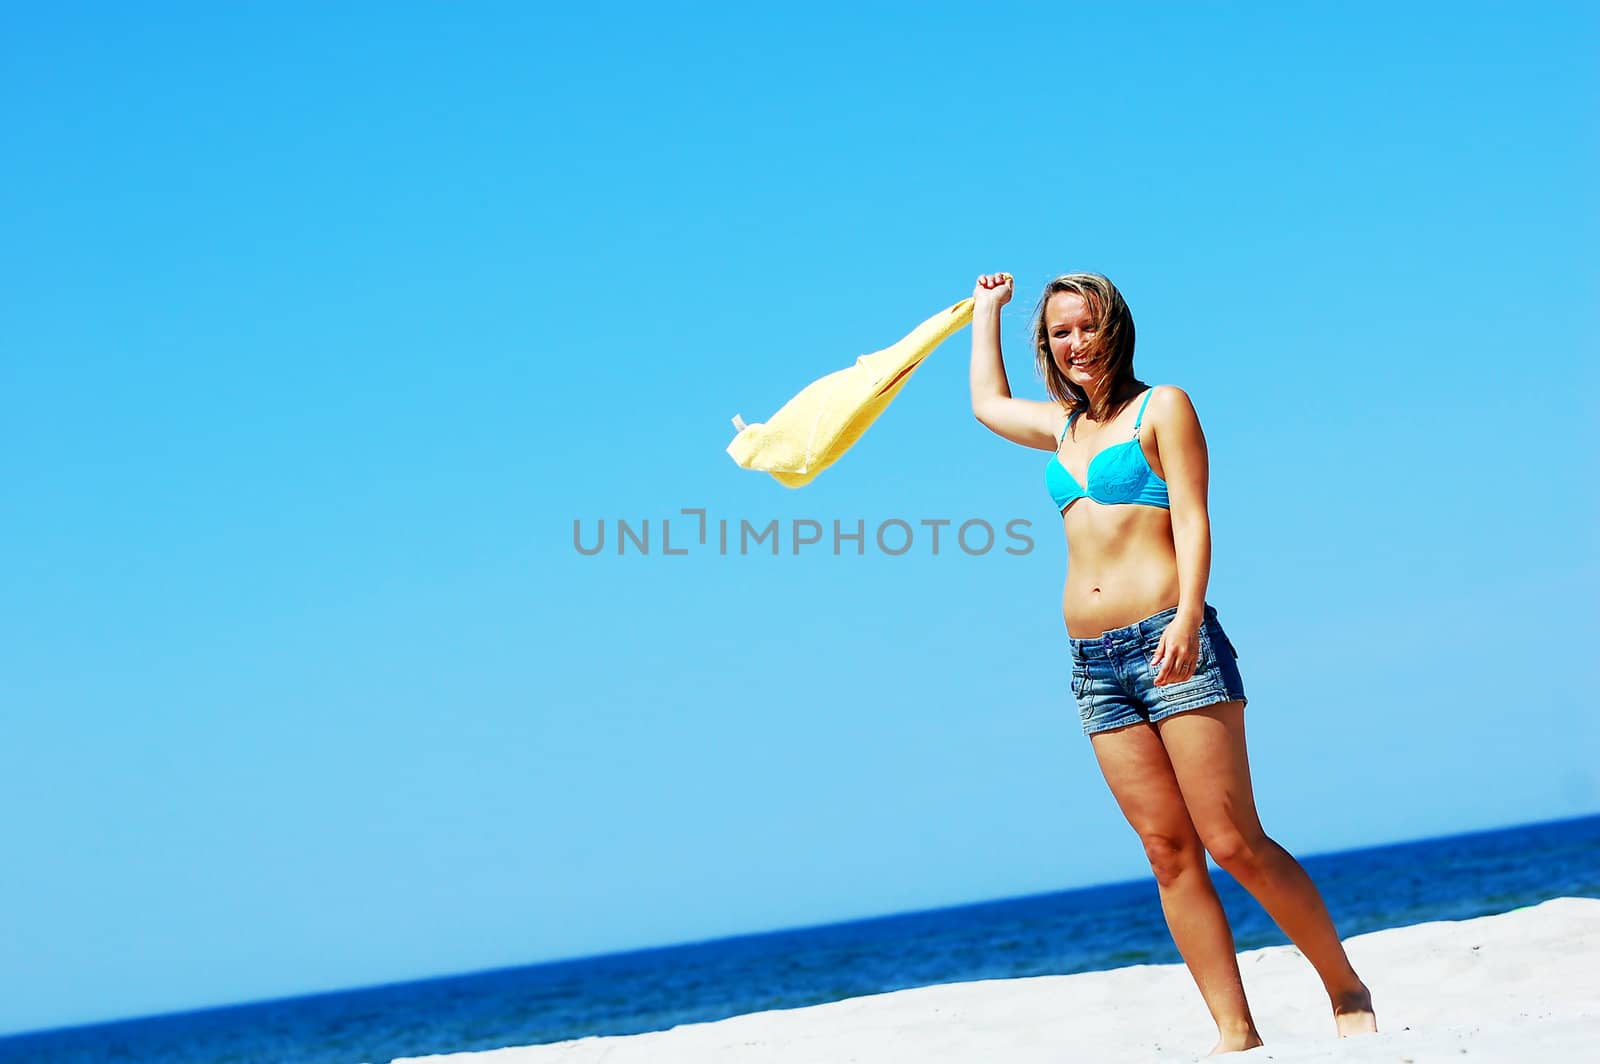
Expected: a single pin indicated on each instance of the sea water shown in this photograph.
(1080, 930)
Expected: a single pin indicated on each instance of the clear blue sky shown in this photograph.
(323, 325)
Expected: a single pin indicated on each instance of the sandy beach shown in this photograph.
(1517, 986)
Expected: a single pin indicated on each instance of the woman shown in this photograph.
(1155, 677)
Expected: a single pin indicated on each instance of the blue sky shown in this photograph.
(324, 326)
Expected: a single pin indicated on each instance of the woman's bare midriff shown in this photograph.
(1121, 566)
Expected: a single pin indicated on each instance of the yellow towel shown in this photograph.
(829, 415)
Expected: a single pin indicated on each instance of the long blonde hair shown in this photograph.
(1112, 344)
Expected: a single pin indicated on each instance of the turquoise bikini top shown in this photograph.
(1118, 475)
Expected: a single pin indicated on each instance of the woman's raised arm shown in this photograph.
(1024, 421)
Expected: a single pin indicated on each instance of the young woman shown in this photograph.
(1155, 677)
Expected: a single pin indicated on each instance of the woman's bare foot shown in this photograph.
(1237, 1042)
(1352, 1013)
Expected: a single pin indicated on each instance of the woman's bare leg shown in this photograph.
(1207, 750)
(1141, 778)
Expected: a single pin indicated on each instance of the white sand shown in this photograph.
(1520, 986)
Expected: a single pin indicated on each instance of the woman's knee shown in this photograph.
(1237, 852)
(1172, 855)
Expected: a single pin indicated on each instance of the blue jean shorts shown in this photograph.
(1115, 684)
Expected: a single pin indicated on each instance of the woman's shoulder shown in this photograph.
(1169, 404)
(1168, 397)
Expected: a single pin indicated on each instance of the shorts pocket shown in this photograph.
(1080, 687)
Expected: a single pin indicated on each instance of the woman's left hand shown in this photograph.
(1177, 653)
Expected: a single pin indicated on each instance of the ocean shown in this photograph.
(1079, 930)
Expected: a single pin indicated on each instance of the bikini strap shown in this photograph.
(1140, 419)
(1070, 419)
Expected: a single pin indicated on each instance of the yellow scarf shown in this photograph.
(817, 426)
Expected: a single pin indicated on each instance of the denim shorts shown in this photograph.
(1114, 682)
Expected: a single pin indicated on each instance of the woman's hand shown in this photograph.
(1177, 652)
(992, 291)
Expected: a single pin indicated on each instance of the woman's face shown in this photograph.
(1069, 325)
